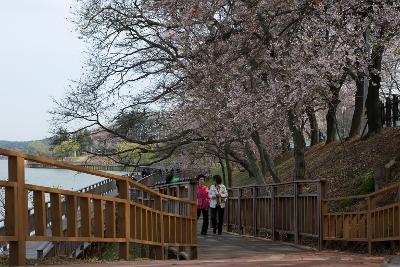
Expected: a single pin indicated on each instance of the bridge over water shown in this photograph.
(162, 218)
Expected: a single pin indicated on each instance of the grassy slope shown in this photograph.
(239, 178)
(342, 165)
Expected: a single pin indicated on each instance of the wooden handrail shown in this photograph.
(76, 168)
(164, 196)
(279, 184)
(367, 223)
(380, 191)
(346, 198)
(156, 222)
(62, 165)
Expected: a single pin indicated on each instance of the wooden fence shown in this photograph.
(276, 210)
(300, 210)
(104, 187)
(365, 218)
(183, 189)
(156, 222)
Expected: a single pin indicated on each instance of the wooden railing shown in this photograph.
(365, 218)
(157, 222)
(289, 211)
(275, 211)
(104, 187)
(183, 189)
(300, 210)
(151, 179)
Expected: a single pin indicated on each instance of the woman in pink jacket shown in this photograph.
(203, 202)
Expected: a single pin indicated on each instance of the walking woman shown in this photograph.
(218, 195)
(203, 202)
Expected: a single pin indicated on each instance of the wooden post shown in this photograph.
(55, 214)
(321, 209)
(86, 215)
(369, 226)
(254, 211)
(227, 211)
(159, 250)
(273, 237)
(16, 173)
(72, 219)
(132, 213)
(110, 219)
(238, 215)
(296, 212)
(177, 203)
(39, 205)
(123, 217)
(98, 223)
(192, 195)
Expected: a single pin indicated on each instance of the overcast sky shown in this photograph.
(39, 55)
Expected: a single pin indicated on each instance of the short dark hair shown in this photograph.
(200, 176)
(217, 178)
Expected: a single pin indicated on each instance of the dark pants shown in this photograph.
(217, 211)
(204, 227)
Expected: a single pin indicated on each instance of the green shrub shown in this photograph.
(209, 182)
(323, 173)
(109, 252)
(396, 178)
(366, 184)
(216, 169)
(345, 203)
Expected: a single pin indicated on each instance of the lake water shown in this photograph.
(58, 178)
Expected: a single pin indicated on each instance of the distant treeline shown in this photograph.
(24, 146)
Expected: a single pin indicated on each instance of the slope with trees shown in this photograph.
(234, 81)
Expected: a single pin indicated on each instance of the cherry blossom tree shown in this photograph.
(236, 79)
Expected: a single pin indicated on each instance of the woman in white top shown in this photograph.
(218, 195)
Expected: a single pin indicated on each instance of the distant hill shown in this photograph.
(22, 146)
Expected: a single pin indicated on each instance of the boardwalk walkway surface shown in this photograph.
(233, 250)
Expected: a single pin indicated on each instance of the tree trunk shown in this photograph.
(267, 164)
(372, 103)
(331, 127)
(284, 145)
(221, 163)
(228, 167)
(313, 125)
(358, 107)
(245, 163)
(252, 160)
(299, 147)
(229, 172)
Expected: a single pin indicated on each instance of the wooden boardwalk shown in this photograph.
(164, 217)
(229, 246)
(237, 251)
